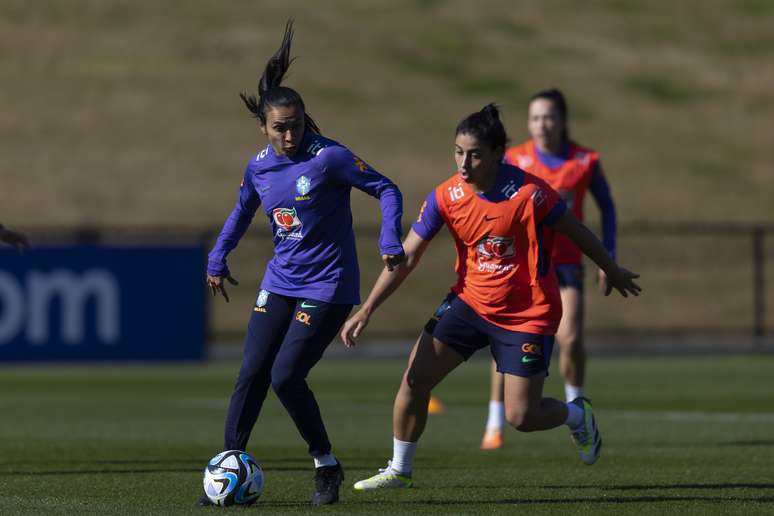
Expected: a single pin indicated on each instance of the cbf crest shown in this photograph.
(303, 185)
(260, 303)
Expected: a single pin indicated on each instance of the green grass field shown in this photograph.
(683, 435)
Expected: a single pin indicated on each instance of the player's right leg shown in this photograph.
(429, 363)
(269, 321)
(266, 329)
(435, 405)
(433, 357)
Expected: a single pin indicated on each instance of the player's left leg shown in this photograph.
(526, 409)
(314, 326)
(523, 359)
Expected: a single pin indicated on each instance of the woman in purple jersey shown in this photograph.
(303, 181)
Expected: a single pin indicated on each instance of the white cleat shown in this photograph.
(387, 478)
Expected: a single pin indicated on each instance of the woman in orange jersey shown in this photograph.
(503, 221)
(571, 170)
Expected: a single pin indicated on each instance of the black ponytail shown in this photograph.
(270, 91)
(557, 97)
(485, 126)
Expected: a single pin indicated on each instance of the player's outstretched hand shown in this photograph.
(14, 238)
(623, 282)
(393, 260)
(353, 328)
(216, 285)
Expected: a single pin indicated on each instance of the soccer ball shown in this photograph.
(233, 478)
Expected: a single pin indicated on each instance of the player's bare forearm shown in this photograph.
(619, 278)
(586, 241)
(389, 280)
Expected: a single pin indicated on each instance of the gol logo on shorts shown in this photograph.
(303, 317)
(532, 348)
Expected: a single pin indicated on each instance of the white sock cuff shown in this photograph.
(403, 456)
(572, 391)
(496, 419)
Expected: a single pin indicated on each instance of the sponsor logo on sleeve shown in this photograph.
(360, 164)
(510, 189)
(538, 197)
(303, 185)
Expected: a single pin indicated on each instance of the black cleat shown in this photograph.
(327, 480)
(204, 501)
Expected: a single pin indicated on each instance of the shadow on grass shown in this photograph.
(267, 467)
(615, 500)
(644, 487)
(538, 501)
(748, 443)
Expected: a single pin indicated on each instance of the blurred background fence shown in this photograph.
(699, 278)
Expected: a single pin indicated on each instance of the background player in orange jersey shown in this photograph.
(571, 170)
(503, 221)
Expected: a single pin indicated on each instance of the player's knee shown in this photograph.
(415, 382)
(572, 342)
(521, 418)
(283, 384)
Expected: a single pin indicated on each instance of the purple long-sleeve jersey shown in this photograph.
(307, 200)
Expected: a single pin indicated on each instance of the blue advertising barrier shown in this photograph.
(102, 303)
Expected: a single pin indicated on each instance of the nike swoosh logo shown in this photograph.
(305, 305)
(526, 359)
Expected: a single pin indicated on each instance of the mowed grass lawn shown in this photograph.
(683, 435)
